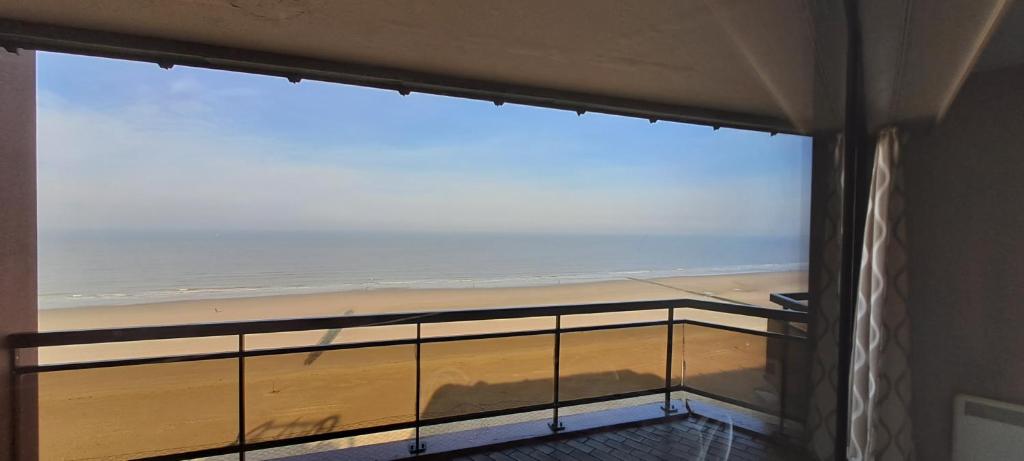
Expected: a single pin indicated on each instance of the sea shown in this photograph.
(88, 268)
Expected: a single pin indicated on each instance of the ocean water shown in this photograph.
(108, 268)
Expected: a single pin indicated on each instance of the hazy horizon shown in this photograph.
(127, 145)
(104, 268)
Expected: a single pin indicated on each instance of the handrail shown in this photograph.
(791, 301)
(113, 335)
(241, 329)
(164, 359)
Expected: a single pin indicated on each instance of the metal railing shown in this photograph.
(240, 330)
(791, 301)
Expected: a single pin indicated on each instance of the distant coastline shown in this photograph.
(752, 289)
(78, 300)
(79, 269)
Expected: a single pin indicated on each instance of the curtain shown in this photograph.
(880, 426)
(824, 291)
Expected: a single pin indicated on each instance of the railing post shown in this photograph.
(686, 400)
(782, 378)
(15, 405)
(555, 425)
(241, 396)
(417, 447)
(667, 407)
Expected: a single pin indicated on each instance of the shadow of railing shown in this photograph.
(458, 399)
(274, 429)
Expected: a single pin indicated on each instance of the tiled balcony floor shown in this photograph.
(694, 438)
(634, 431)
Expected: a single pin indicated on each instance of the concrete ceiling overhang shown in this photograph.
(917, 54)
(728, 62)
(772, 65)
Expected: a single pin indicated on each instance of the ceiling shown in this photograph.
(1006, 47)
(776, 65)
(917, 54)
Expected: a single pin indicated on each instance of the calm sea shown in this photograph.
(104, 268)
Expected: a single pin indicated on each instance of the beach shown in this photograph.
(96, 414)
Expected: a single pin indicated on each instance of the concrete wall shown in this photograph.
(965, 218)
(17, 220)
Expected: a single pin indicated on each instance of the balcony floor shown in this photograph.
(675, 439)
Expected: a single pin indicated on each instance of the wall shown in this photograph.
(17, 218)
(965, 221)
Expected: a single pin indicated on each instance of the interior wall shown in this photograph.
(17, 221)
(965, 222)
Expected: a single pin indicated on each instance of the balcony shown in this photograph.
(573, 378)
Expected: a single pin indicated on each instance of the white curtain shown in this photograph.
(880, 426)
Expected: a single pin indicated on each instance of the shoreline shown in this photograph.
(174, 295)
(742, 288)
(750, 289)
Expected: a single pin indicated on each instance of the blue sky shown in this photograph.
(125, 145)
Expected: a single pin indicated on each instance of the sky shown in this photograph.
(129, 146)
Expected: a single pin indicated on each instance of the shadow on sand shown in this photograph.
(458, 399)
(755, 386)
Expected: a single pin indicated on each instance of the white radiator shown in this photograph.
(985, 429)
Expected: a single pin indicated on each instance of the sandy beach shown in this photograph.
(97, 414)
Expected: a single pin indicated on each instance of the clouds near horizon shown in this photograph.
(128, 146)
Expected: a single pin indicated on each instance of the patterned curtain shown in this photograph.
(824, 321)
(880, 374)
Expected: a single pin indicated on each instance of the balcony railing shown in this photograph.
(242, 409)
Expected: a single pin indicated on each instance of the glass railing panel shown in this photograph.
(137, 411)
(475, 327)
(286, 339)
(721, 318)
(300, 394)
(615, 318)
(471, 376)
(793, 357)
(605, 362)
(136, 349)
(678, 341)
(742, 367)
